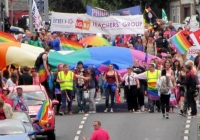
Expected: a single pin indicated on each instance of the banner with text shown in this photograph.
(96, 12)
(81, 23)
(192, 53)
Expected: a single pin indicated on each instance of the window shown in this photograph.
(178, 14)
(173, 15)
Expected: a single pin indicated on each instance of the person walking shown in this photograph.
(164, 86)
(99, 133)
(80, 87)
(132, 86)
(191, 85)
(92, 85)
(65, 78)
(152, 75)
(111, 85)
(140, 95)
(25, 78)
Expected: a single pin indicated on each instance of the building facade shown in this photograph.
(180, 9)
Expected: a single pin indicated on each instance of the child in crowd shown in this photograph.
(173, 101)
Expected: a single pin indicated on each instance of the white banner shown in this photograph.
(37, 20)
(192, 53)
(81, 23)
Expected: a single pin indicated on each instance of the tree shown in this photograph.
(69, 6)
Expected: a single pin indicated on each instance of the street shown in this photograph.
(122, 125)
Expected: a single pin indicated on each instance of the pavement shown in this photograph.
(123, 125)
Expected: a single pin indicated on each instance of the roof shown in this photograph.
(31, 88)
(19, 5)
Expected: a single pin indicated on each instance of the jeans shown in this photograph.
(64, 97)
(59, 99)
(109, 93)
(152, 103)
(81, 99)
(91, 99)
(165, 103)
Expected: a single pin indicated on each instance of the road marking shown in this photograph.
(86, 115)
(96, 102)
(185, 138)
(78, 132)
(189, 117)
(80, 126)
(186, 132)
(82, 122)
(188, 121)
(187, 126)
(84, 118)
(76, 138)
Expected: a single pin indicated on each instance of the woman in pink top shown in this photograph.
(35, 77)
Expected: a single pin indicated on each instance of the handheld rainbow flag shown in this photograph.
(180, 42)
(42, 116)
(70, 45)
(42, 74)
(5, 37)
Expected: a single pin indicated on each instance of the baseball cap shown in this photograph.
(19, 87)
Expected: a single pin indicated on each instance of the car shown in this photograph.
(25, 118)
(38, 91)
(14, 129)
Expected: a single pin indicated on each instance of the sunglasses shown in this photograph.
(94, 125)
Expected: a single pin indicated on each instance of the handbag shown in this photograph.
(86, 94)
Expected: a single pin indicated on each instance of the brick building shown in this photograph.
(180, 9)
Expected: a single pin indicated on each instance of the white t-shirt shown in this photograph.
(9, 83)
(131, 78)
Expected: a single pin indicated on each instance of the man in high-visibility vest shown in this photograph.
(66, 78)
(151, 75)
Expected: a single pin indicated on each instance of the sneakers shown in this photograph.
(92, 112)
(111, 110)
(106, 110)
(142, 108)
(80, 112)
(130, 111)
(167, 116)
(163, 116)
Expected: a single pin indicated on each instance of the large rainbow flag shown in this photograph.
(5, 37)
(42, 116)
(180, 43)
(70, 45)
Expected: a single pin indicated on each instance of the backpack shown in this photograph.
(38, 61)
(164, 88)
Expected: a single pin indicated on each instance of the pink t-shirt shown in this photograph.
(100, 134)
(36, 80)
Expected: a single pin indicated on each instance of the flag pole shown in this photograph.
(30, 16)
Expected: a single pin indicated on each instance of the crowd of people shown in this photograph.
(168, 81)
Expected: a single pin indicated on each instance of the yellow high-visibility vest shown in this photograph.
(68, 80)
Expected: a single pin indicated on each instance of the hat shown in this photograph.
(130, 68)
(19, 87)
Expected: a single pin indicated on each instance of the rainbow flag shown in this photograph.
(42, 116)
(152, 91)
(70, 45)
(42, 74)
(180, 43)
(5, 37)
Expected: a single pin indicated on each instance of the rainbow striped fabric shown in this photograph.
(180, 42)
(42, 115)
(70, 45)
(5, 37)
(152, 91)
(42, 74)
